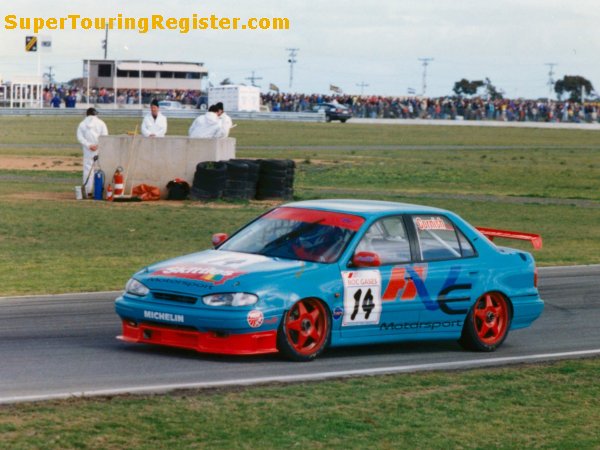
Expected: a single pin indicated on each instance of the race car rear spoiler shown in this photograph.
(491, 233)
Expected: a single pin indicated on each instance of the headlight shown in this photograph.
(134, 287)
(230, 299)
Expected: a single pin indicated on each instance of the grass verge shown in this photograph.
(547, 406)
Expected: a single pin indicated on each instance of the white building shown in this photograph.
(146, 75)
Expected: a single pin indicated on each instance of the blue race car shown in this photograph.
(315, 274)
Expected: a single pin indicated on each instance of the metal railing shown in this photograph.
(172, 113)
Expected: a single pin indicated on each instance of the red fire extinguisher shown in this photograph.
(118, 180)
(109, 193)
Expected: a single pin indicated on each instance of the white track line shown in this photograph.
(163, 388)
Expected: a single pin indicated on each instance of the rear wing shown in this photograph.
(491, 233)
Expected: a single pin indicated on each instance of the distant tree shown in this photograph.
(466, 87)
(225, 82)
(572, 84)
(493, 93)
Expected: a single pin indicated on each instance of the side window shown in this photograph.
(438, 239)
(387, 237)
(465, 246)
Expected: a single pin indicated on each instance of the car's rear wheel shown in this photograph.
(304, 331)
(487, 323)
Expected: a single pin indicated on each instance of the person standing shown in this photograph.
(207, 126)
(88, 134)
(155, 123)
(226, 122)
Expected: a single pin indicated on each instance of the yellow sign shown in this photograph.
(31, 43)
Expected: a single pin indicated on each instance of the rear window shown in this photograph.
(439, 239)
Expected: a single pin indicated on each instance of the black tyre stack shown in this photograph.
(209, 180)
(276, 179)
(236, 186)
(243, 179)
(253, 174)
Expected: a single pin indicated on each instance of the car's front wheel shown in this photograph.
(487, 323)
(305, 330)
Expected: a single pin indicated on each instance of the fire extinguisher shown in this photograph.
(98, 184)
(109, 193)
(118, 180)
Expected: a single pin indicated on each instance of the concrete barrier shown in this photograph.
(156, 161)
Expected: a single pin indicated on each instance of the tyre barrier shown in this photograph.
(244, 179)
(276, 179)
(209, 180)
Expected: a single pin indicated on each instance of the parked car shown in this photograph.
(170, 104)
(334, 111)
(315, 274)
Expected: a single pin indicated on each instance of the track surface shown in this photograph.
(64, 345)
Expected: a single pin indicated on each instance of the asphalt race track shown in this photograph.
(62, 346)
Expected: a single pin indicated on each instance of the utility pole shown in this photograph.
(49, 74)
(425, 62)
(551, 80)
(362, 85)
(292, 61)
(105, 43)
(253, 78)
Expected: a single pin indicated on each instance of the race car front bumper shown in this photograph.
(204, 342)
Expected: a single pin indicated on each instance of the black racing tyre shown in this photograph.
(237, 169)
(343, 120)
(305, 330)
(487, 323)
(209, 173)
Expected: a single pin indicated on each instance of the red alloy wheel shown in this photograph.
(491, 318)
(307, 327)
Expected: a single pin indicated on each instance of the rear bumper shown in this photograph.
(526, 309)
(204, 342)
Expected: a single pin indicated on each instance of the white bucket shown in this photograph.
(78, 192)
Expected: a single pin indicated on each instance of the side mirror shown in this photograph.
(219, 238)
(366, 259)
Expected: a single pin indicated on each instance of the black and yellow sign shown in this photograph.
(31, 43)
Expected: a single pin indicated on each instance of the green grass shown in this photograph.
(544, 181)
(548, 406)
(52, 132)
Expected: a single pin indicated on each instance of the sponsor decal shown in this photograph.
(433, 223)
(255, 318)
(200, 272)
(402, 286)
(329, 218)
(167, 317)
(180, 282)
(393, 326)
(362, 297)
(408, 282)
(337, 313)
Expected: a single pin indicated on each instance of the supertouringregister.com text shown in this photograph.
(143, 25)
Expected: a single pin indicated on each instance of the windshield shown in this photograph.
(297, 233)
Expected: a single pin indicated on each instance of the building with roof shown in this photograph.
(146, 75)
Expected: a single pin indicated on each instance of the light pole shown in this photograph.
(425, 62)
(292, 61)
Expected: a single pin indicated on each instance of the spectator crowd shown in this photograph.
(367, 106)
(453, 108)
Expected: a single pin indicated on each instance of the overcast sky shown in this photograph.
(343, 43)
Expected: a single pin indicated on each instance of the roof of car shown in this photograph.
(364, 207)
